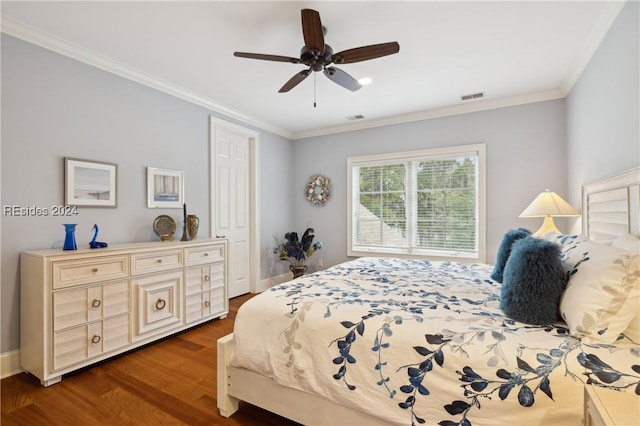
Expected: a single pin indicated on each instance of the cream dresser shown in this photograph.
(83, 306)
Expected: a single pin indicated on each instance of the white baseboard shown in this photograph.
(271, 281)
(10, 364)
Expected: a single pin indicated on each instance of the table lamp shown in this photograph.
(548, 205)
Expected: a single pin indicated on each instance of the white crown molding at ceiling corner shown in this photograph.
(463, 108)
(68, 49)
(597, 33)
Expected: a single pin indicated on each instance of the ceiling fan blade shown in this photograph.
(342, 78)
(365, 53)
(312, 31)
(263, 57)
(294, 81)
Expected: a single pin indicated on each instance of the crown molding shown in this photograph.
(601, 26)
(464, 108)
(65, 48)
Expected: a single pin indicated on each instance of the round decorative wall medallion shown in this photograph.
(318, 190)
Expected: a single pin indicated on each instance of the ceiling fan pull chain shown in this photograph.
(314, 89)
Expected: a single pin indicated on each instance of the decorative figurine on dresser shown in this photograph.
(82, 306)
(96, 244)
(191, 223)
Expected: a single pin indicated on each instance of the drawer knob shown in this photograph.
(206, 278)
(206, 254)
(159, 261)
(160, 304)
(95, 339)
(96, 303)
(94, 270)
(207, 303)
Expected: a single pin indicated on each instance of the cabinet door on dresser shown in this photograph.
(218, 290)
(157, 303)
(205, 290)
(89, 321)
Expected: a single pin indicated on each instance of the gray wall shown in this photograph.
(55, 107)
(603, 125)
(525, 154)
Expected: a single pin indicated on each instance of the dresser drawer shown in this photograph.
(73, 307)
(196, 307)
(205, 304)
(116, 332)
(196, 279)
(217, 278)
(76, 306)
(71, 346)
(144, 263)
(205, 254)
(218, 299)
(69, 273)
(89, 340)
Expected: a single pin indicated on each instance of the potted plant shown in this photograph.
(297, 251)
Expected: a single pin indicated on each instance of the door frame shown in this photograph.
(254, 192)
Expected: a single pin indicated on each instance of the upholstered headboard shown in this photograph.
(611, 206)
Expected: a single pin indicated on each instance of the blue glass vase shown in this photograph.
(70, 237)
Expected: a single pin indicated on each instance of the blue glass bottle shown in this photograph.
(70, 237)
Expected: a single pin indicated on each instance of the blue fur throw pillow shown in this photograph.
(505, 249)
(533, 282)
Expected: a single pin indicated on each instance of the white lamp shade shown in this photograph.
(548, 203)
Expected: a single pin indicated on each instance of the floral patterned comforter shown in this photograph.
(415, 342)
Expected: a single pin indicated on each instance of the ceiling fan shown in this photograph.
(318, 56)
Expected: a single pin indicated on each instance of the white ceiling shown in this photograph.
(515, 52)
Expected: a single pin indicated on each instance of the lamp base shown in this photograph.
(547, 226)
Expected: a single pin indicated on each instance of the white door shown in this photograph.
(231, 173)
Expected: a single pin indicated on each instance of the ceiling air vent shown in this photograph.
(355, 117)
(472, 96)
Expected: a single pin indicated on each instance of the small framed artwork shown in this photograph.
(90, 183)
(165, 188)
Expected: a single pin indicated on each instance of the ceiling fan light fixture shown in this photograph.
(318, 56)
(365, 81)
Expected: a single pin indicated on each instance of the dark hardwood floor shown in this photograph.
(171, 382)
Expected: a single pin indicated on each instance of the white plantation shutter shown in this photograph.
(422, 203)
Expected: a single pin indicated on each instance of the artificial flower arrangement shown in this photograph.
(297, 251)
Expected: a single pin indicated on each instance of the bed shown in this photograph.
(379, 341)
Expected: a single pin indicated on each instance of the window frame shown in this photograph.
(478, 150)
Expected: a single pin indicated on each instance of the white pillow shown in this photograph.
(627, 242)
(603, 289)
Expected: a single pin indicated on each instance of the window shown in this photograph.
(420, 203)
